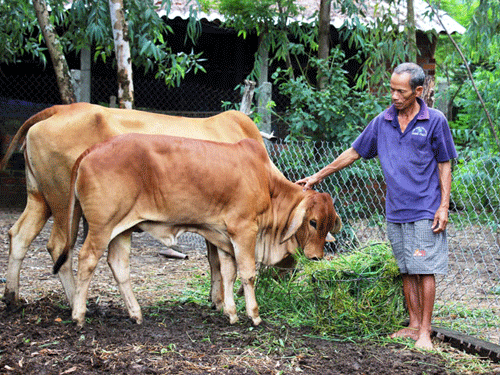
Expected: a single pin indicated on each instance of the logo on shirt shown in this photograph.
(419, 253)
(419, 131)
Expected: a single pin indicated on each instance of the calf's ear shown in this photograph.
(295, 221)
(337, 226)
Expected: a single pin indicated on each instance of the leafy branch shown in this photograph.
(469, 73)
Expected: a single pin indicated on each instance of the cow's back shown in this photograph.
(76, 127)
(54, 144)
(172, 179)
(230, 126)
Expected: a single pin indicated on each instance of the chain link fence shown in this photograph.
(34, 87)
(196, 94)
(468, 298)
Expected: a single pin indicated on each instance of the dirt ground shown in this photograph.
(175, 338)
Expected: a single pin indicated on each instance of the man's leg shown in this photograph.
(412, 298)
(427, 289)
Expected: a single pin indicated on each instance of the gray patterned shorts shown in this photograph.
(417, 249)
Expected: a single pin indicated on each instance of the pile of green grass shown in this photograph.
(354, 295)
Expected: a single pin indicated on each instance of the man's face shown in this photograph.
(401, 92)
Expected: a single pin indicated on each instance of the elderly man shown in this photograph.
(414, 146)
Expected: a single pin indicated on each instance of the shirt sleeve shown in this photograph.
(442, 142)
(366, 143)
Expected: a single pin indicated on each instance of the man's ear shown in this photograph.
(419, 90)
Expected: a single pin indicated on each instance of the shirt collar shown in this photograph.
(423, 114)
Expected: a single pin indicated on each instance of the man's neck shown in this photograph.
(407, 114)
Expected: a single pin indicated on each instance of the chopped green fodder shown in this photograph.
(354, 295)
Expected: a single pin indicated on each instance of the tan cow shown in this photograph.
(54, 139)
(230, 194)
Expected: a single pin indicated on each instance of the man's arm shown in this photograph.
(345, 159)
(441, 215)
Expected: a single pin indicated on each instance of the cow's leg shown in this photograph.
(244, 251)
(216, 290)
(119, 262)
(89, 255)
(55, 246)
(30, 223)
(228, 273)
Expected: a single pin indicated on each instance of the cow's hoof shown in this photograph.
(217, 306)
(256, 321)
(233, 319)
(137, 319)
(12, 303)
(79, 321)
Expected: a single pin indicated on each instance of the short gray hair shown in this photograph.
(417, 75)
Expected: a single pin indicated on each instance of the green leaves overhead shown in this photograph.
(17, 32)
(260, 15)
(271, 20)
(85, 23)
(474, 126)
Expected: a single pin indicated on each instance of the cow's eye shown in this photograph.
(313, 223)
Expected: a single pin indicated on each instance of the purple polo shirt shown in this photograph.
(409, 160)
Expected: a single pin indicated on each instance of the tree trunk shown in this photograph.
(122, 52)
(246, 101)
(323, 38)
(265, 96)
(265, 88)
(411, 31)
(263, 58)
(428, 93)
(56, 52)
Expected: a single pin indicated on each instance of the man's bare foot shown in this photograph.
(411, 333)
(424, 342)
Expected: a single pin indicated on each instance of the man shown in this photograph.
(414, 146)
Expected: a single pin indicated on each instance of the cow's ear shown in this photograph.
(337, 225)
(295, 221)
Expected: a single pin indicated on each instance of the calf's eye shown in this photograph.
(313, 223)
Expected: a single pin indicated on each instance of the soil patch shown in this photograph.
(175, 338)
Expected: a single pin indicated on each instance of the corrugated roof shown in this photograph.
(424, 18)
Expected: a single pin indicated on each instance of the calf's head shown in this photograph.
(312, 223)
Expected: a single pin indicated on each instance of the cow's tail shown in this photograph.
(71, 213)
(23, 130)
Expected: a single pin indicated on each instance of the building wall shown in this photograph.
(427, 48)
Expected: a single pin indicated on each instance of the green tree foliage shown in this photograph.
(87, 23)
(18, 32)
(470, 126)
(342, 109)
(480, 46)
(90, 21)
(461, 10)
(482, 39)
(270, 19)
(337, 113)
(380, 41)
(475, 189)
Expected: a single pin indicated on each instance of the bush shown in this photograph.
(471, 127)
(337, 113)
